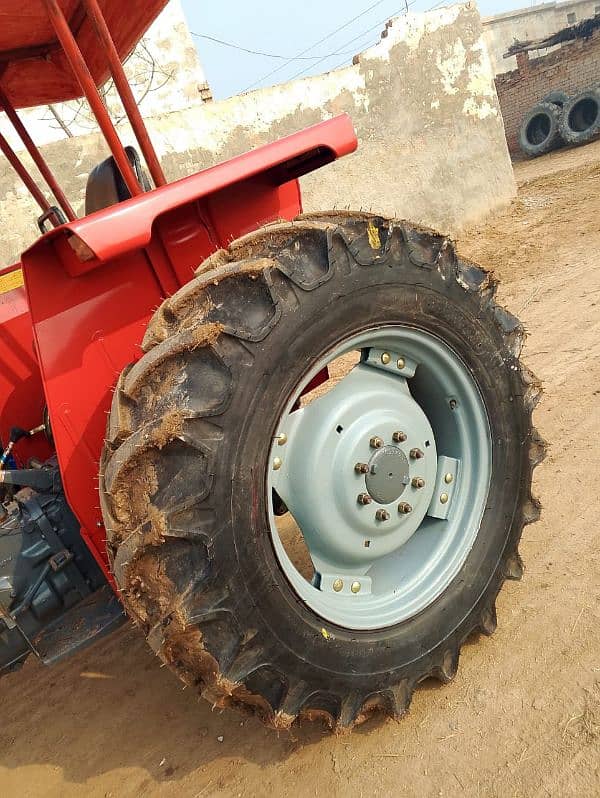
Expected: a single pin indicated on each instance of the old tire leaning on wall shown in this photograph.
(207, 427)
(580, 118)
(539, 131)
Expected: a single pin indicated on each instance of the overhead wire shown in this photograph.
(315, 44)
(247, 50)
(404, 8)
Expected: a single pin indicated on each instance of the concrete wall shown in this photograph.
(535, 22)
(573, 67)
(432, 146)
(164, 71)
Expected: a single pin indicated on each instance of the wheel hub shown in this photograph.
(385, 483)
(388, 474)
(342, 475)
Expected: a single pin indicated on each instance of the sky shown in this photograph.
(293, 29)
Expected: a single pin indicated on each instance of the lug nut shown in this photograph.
(404, 508)
(282, 439)
(444, 498)
(277, 463)
(399, 437)
(361, 468)
(385, 358)
(376, 443)
(418, 482)
(382, 515)
(355, 587)
(448, 479)
(338, 585)
(401, 363)
(416, 454)
(364, 498)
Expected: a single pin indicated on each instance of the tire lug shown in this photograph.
(399, 437)
(418, 482)
(376, 442)
(361, 468)
(364, 498)
(416, 454)
(382, 515)
(404, 508)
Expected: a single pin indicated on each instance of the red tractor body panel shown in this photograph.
(89, 316)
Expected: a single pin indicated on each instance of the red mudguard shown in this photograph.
(89, 316)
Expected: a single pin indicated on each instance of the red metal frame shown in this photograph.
(89, 88)
(125, 93)
(92, 284)
(36, 156)
(20, 169)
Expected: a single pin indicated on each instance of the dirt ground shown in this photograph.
(522, 717)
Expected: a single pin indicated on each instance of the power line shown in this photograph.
(316, 44)
(404, 8)
(253, 52)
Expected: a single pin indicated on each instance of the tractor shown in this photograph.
(294, 449)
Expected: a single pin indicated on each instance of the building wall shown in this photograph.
(431, 139)
(535, 22)
(164, 71)
(573, 67)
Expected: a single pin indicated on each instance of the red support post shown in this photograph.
(89, 88)
(37, 157)
(20, 169)
(122, 85)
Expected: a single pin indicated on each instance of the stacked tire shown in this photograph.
(559, 119)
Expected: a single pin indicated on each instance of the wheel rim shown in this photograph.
(386, 476)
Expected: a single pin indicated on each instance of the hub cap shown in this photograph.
(386, 476)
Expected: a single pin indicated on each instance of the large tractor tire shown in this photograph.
(580, 120)
(539, 132)
(305, 547)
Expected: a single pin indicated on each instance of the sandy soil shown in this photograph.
(523, 715)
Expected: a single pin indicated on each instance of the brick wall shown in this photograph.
(572, 68)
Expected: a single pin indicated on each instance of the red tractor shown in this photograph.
(296, 449)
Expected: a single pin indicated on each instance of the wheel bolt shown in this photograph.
(448, 479)
(385, 358)
(401, 363)
(355, 587)
(361, 468)
(382, 515)
(444, 498)
(277, 463)
(282, 439)
(399, 437)
(376, 442)
(404, 508)
(416, 454)
(364, 498)
(418, 482)
(338, 585)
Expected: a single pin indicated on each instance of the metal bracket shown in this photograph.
(445, 485)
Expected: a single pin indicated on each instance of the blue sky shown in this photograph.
(287, 28)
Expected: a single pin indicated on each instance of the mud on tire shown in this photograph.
(183, 472)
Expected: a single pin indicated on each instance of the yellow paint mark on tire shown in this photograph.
(373, 233)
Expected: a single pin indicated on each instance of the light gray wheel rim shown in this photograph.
(372, 571)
